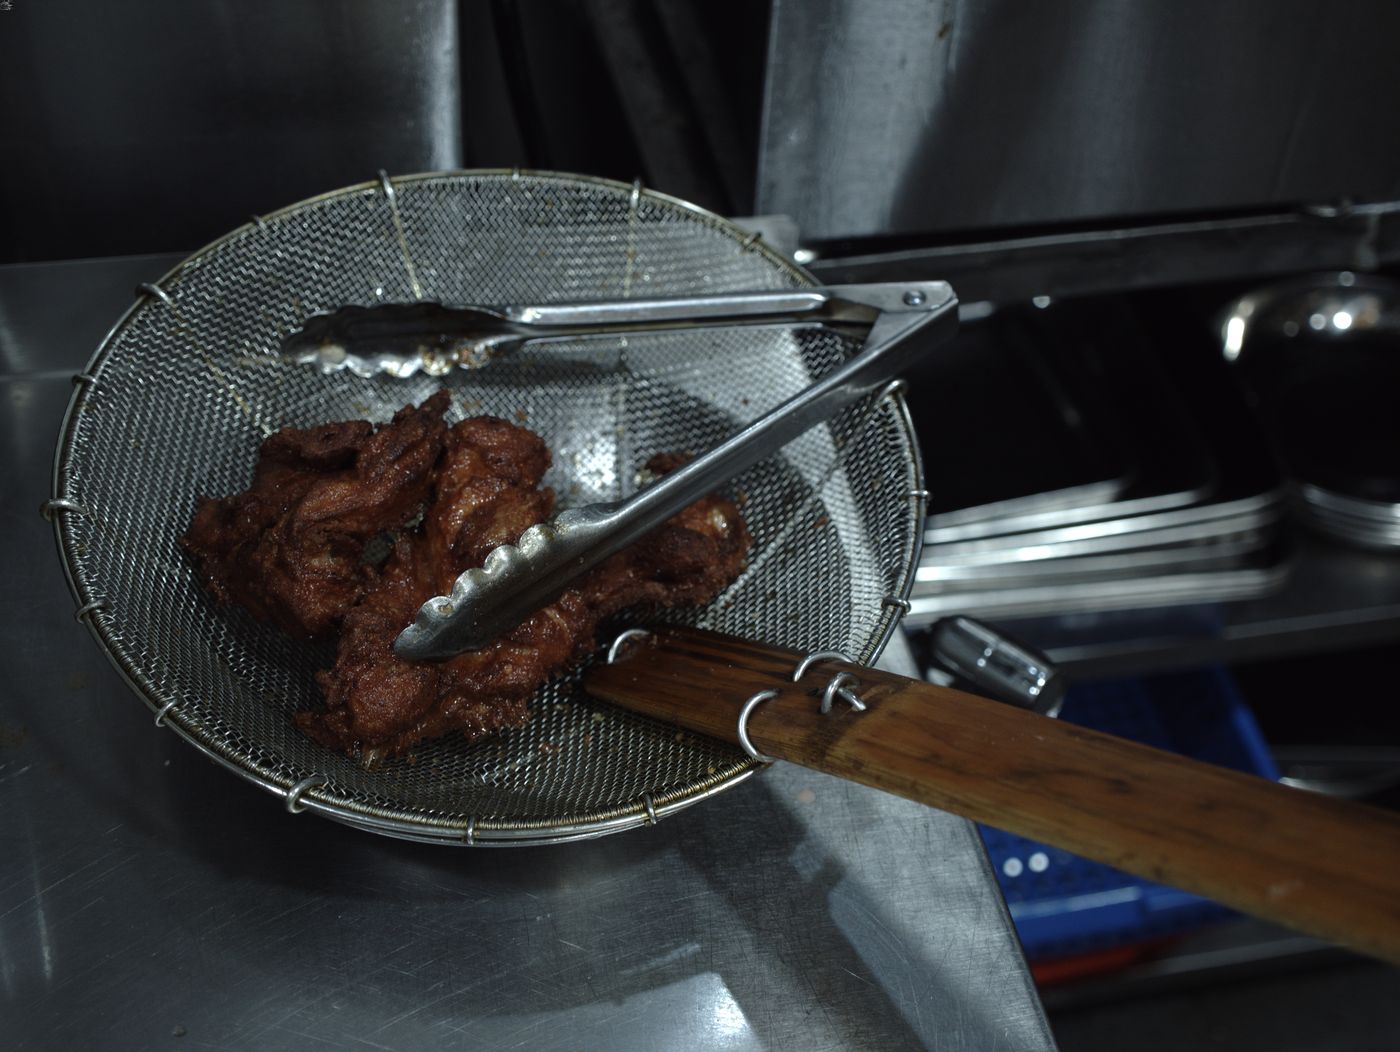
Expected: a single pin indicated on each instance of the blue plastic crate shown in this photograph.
(1063, 904)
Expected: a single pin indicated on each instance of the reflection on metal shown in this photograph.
(1140, 255)
(297, 792)
(622, 637)
(152, 289)
(991, 663)
(50, 508)
(1314, 353)
(742, 730)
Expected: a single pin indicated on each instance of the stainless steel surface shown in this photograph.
(1357, 530)
(1291, 341)
(144, 894)
(1353, 772)
(1367, 523)
(128, 108)
(1087, 259)
(914, 117)
(518, 579)
(835, 518)
(992, 663)
(1088, 520)
(1129, 531)
(1029, 511)
(1138, 593)
(1329, 306)
(998, 569)
(403, 339)
(1333, 598)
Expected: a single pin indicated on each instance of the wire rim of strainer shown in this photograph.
(460, 829)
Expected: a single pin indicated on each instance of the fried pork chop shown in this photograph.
(270, 549)
(289, 548)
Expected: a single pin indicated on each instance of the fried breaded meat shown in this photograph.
(291, 550)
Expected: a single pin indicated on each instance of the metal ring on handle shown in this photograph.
(156, 291)
(837, 689)
(296, 792)
(469, 834)
(903, 604)
(820, 655)
(50, 508)
(651, 809)
(89, 608)
(164, 709)
(622, 637)
(83, 378)
(743, 729)
(892, 388)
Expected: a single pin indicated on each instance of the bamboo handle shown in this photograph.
(1320, 865)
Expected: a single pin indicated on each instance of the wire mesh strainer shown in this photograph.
(179, 395)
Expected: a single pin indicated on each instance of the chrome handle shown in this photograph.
(518, 579)
(988, 662)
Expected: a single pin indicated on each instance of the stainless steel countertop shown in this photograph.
(150, 899)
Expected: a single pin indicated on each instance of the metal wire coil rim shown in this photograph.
(403, 823)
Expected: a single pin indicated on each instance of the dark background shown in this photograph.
(156, 126)
(159, 125)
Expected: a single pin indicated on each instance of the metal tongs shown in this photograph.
(516, 580)
(401, 339)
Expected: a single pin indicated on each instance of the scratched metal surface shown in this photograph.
(149, 899)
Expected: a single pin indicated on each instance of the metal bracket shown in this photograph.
(400, 233)
(50, 508)
(296, 792)
(743, 728)
(622, 637)
(89, 608)
(837, 688)
(155, 290)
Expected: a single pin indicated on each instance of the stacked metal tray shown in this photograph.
(1075, 464)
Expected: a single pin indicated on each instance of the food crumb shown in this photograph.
(824, 520)
(547, 747)
(806, 796)
(598, 717)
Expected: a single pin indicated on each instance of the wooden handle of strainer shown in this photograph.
(1320, 865)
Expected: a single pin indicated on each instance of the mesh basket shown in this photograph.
(189, 382)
